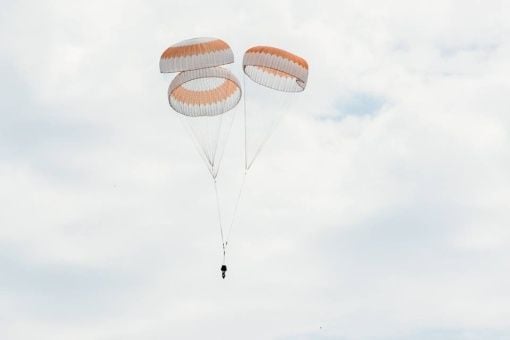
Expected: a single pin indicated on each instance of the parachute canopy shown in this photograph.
(204, 92)
(276, 68)
(196, 53)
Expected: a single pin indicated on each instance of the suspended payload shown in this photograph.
(194, 54)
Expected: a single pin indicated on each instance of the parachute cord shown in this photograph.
(261, 146)
(215, 148)
(247, 165)
(219, 218)
(197, 146)
(235, 209)
(228, 126)
(245, 128)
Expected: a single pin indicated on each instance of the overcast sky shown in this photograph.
(379, 209)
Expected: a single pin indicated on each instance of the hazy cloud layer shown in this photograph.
(378, 210)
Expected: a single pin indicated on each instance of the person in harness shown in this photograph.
(223, 270)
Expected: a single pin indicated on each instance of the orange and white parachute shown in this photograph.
(203, 93)
(196, 53)
(276, 68)
(281, 74)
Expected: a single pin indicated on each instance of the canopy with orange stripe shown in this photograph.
(276, 68)
(204, 92)
(194, 54)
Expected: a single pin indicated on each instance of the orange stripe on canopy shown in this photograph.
(220, 93)
(273, 71)
(195, 49)
(279, 53)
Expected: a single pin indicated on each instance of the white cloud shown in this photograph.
(388, 225)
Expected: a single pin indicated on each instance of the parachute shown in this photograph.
(194, 54)
(204, 93)
(276, 68)
(204, 98)
(281, 74)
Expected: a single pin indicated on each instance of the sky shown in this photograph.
(378, 210)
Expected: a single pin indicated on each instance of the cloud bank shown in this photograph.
(378, 210)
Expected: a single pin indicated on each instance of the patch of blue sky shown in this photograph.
(450, 51)
(357, 104)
